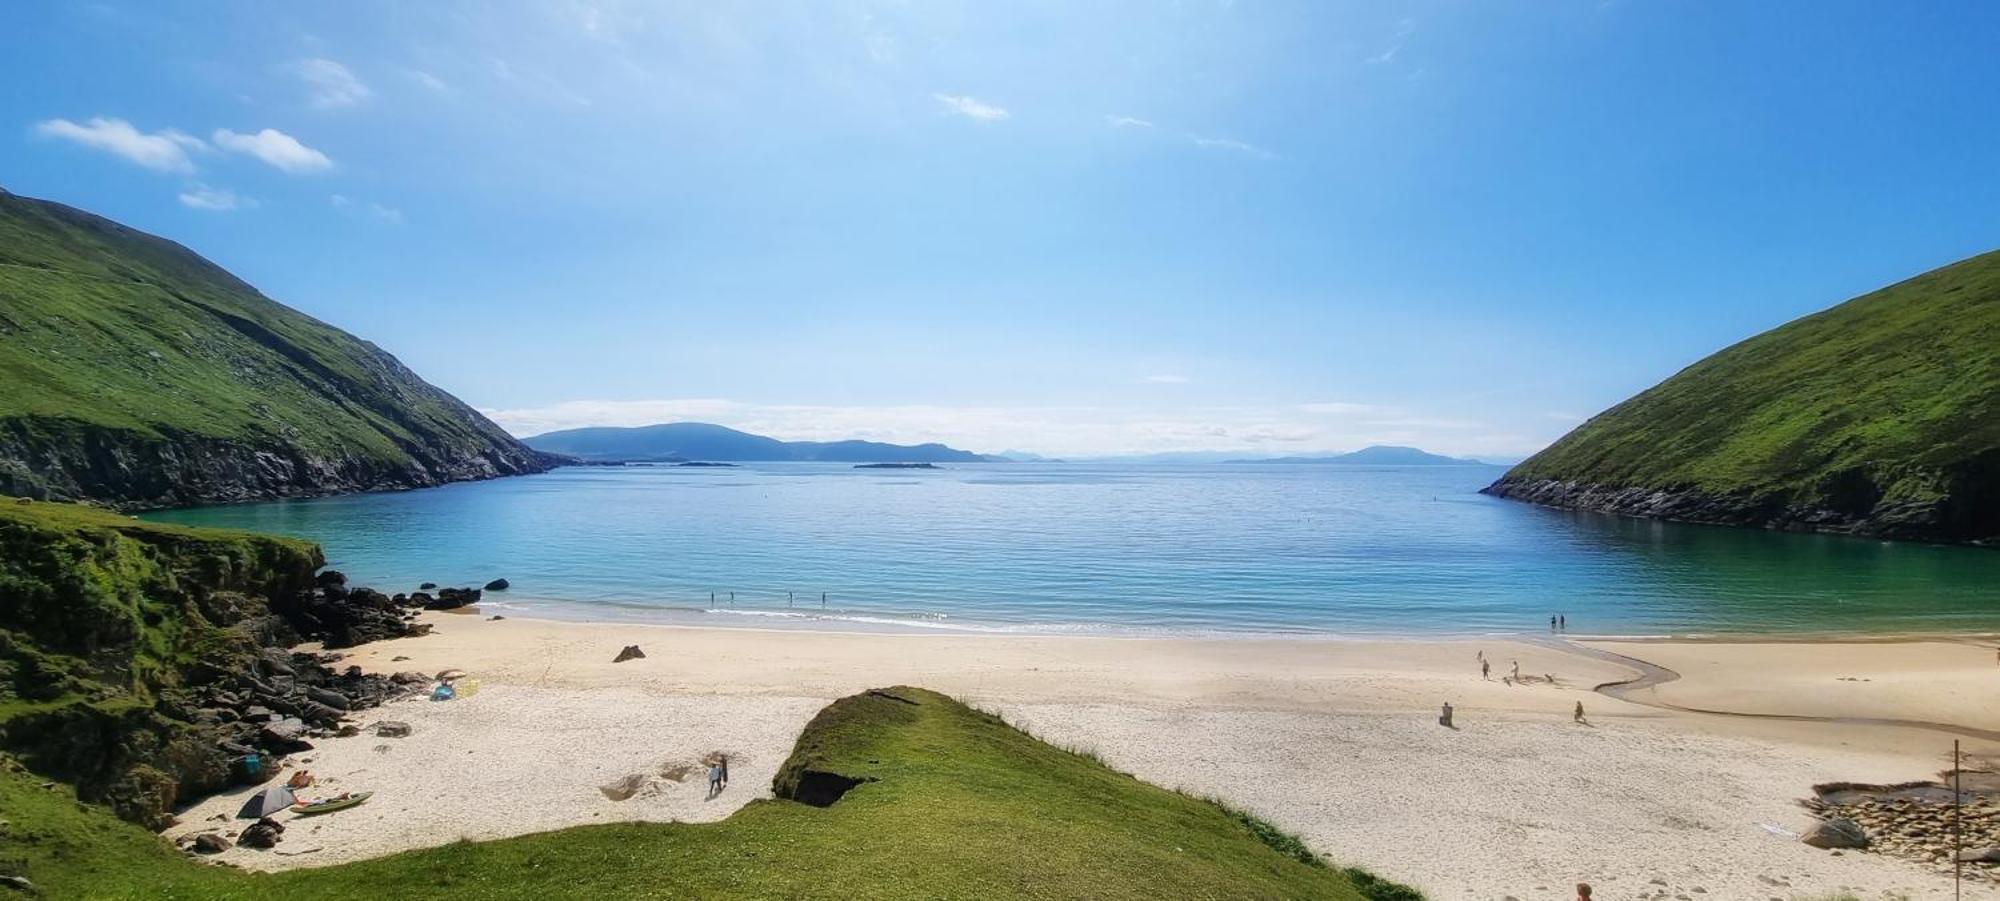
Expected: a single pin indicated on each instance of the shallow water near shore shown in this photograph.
(1115, 548)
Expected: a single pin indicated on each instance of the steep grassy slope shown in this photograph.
(959, 805)
(1880, 416)
(134, 371)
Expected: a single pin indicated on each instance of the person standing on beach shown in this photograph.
(1485, 670)
(714, 780)
(1517, 670)
(1444, 719)
(1552, 622)
(1579, 711)
(1562, 622)
(724, 763)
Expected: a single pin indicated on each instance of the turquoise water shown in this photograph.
(1253, 548)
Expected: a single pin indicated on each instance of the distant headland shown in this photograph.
(683, 442)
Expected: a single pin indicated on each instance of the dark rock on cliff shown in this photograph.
(141, 375)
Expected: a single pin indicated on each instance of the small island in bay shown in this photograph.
(897, 466)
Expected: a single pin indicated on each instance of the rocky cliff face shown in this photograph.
(136, 373)
(1968, 515)
(62, 459)
(147, 664)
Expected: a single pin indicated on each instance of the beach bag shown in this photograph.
(443, 693)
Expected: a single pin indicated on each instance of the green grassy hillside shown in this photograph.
(1879, 416)
(137, 372)
(955, 804)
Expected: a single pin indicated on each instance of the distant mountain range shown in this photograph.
(676, 442)
(1377, 455)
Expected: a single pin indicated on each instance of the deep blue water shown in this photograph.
(1257, 548)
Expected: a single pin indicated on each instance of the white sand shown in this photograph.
(1336, 740)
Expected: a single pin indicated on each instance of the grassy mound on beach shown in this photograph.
(912, 795)
(1879, 416)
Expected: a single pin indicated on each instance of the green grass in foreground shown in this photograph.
(960, 805)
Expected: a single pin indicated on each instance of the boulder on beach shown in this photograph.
(427, 586)
(1836, 833)
(497, 585)
(392, 729)
(453, 598)
(631, 652)
(261, 834)
(1979, 855)
(210, 843)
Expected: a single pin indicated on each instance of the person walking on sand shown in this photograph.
(1579, 712)
(1517, 670)
(714, 780)
(1485, 670)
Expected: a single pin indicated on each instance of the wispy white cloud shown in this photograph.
(430, 81)
(330, 85)
(1231, 144)
(1404, 29)
(1338, 408)
(1126, 122)
(203, 197)
(348, 204)
(971, 107)
(1072, 431)
(161, 151)
(274, 147)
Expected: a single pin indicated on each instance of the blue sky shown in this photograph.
(1064, 227)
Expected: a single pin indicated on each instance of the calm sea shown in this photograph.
(1118, 548)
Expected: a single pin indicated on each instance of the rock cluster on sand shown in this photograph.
(449, 598)
(342, 617)
(1921, 830)
(631, 652)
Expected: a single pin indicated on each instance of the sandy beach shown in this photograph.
(1334, 739)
